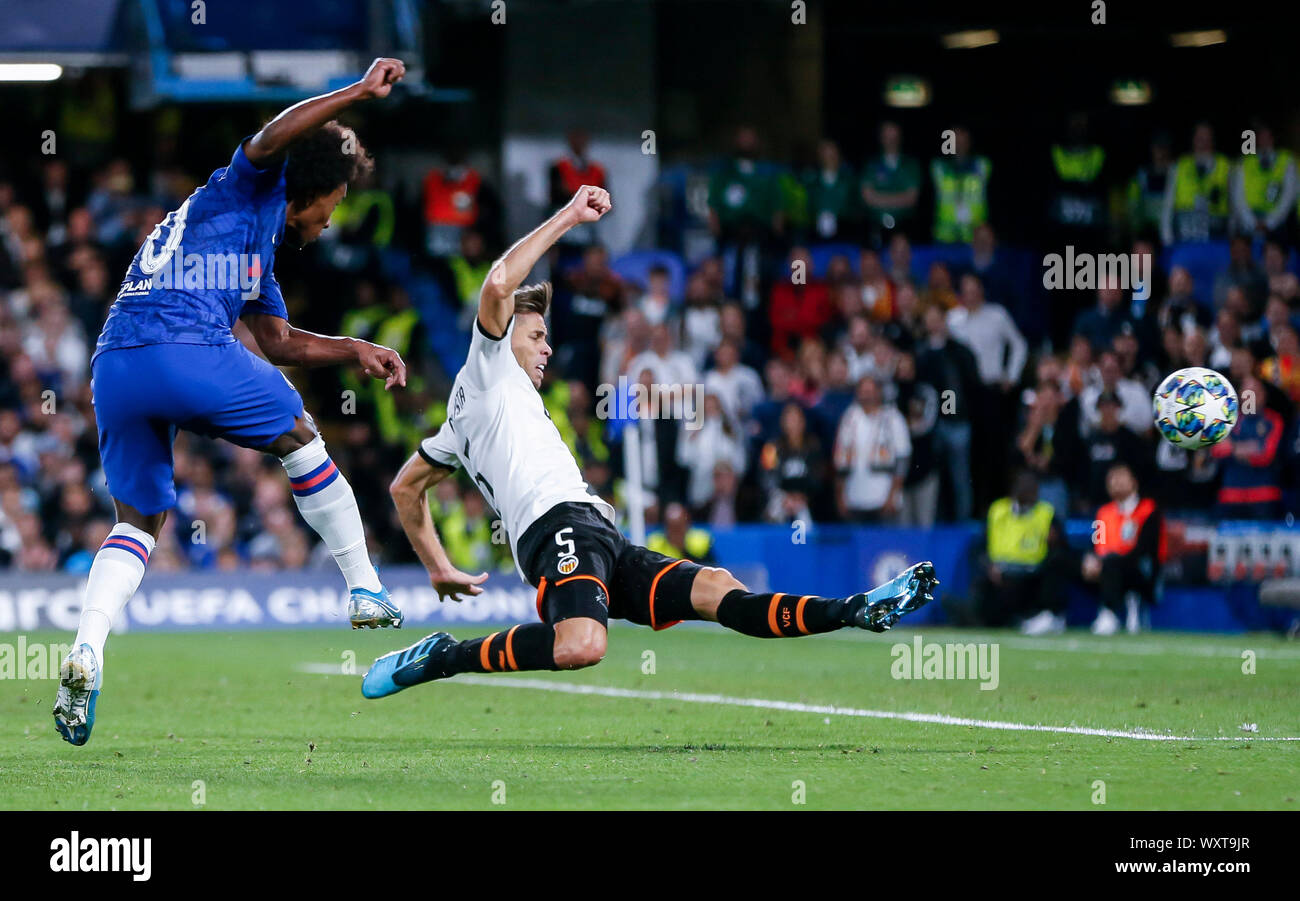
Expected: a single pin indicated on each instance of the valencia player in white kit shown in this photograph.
(562, 534)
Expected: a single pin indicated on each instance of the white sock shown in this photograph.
(326, 501)
(114, 576)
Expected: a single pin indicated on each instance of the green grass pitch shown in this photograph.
(254, 720)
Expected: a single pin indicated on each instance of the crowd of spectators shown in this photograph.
(861, 388)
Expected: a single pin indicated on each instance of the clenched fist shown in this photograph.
(381, 76)
(589, 204)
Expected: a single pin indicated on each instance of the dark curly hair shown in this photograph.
(319, 162)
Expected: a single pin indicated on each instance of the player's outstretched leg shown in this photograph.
(570, 644)
(717, 595)
(114, 576)
(326, 501)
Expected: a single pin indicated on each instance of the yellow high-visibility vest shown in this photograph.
(1019, 539)
(1190, 187)
(1262, 187)
(1078, 165)
(698, 542)
(960, 199)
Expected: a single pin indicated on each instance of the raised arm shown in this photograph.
(285, 345)
(410, 490)
(496, 299)
(270, 144)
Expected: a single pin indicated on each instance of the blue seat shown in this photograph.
(634, 266)
(396, 264)
(924, 255)
(1203, 260)
(822, 254)
(449, 344)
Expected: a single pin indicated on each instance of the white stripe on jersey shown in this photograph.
(498, 429)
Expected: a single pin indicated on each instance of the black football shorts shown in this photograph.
(583, 566)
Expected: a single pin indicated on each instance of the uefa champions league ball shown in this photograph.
(1195, 407)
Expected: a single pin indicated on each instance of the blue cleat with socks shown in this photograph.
(373, 610)
(74, 704)
(883, 606)
(421, 662)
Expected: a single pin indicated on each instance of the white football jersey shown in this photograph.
(498, 428)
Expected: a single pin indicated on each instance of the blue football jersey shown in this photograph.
(206, 263)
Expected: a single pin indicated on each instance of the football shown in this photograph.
(1195, 407)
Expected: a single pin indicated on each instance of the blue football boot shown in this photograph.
(373, 610)
(421, 662)
(74, 704)
(883, 606)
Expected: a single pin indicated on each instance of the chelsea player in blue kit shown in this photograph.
(168, 359)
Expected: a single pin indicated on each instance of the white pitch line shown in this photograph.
(1100, 646)
(1145, 649)
(940, 719)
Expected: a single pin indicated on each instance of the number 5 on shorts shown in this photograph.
(567, 553)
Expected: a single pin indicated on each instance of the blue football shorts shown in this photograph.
(142, 395)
